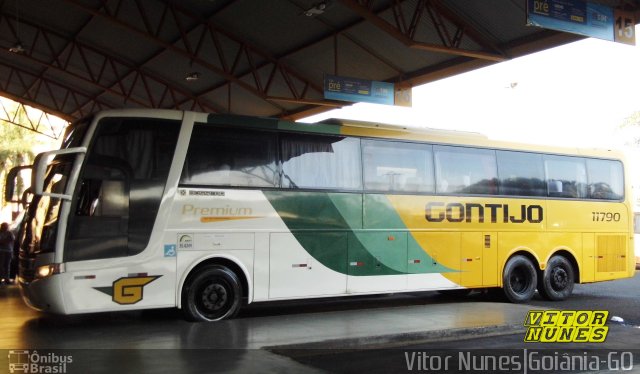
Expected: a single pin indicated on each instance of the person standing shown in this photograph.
(6, 252)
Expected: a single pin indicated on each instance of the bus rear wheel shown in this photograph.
(212, 294)
(519, 279)
(557, 280)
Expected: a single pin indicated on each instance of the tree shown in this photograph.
(631, 126)
(17, 145)
(16, 148)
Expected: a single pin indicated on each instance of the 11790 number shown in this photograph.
(605, 217)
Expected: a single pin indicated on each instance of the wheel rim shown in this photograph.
(559, 279)
(212, 299)
(520, 280)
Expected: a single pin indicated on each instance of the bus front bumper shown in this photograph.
(43, 294)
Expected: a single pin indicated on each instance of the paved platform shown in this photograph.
(295, 337)
(379, 326)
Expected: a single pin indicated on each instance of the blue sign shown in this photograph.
(574, 16)
(358, 90)
(170, 250)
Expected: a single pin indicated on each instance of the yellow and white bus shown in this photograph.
(207, 212)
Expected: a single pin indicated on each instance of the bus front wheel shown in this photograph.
(519, 279)
(557, 279)
(213, 293)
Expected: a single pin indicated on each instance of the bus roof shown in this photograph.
(377, 130)
(363, 128)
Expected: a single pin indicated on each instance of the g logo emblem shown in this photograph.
(129, 290)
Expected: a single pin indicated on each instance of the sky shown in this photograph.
(574, 95)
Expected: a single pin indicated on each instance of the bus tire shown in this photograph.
(212, 294)
(519, 279)
(557, 280)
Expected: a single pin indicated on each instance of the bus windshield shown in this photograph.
(44, 221)
(75, 133)
(42, 215)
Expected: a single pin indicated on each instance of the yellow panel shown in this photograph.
(588, 259)
(585, 216)
(510, 242)
(490, 259)
(471, 259)
(611, 253)
(540, 227)
(479, 259)
(444, 248)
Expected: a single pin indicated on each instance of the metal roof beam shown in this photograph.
(469, 30)
(39, 122)
(333, 35)
(71, 104)
(195, 55)
(404, 35)
(75, 53)
(343, 31)
(249, 53)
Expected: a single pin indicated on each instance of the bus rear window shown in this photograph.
(606, 180)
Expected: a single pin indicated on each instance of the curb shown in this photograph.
(401, 339)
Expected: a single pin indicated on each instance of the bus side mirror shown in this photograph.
(11, 183)
(39, 171)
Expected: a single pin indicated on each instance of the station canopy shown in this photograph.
(254, 57)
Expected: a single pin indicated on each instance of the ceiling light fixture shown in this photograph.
(17, 48)
(316, 10)
(193, 76)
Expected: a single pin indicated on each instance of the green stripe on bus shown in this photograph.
(329, 226)
(319, 226)
(379, 214)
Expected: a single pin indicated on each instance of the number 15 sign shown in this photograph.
(624, 27)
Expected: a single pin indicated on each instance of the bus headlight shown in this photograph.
(48, 270)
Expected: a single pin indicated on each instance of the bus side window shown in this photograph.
(397, 166)
(522, 174)
(320, 161)
(104, 189)
(605, 179)
(219, 156)
(566, 176)
(554, 187)
(113, 199)
(465, 170)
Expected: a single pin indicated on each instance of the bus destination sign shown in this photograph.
(358, 90)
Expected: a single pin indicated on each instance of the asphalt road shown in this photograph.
(621, 298)
(620, 351)
(23, 328)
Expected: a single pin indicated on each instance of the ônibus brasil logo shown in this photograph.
(32, 362)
